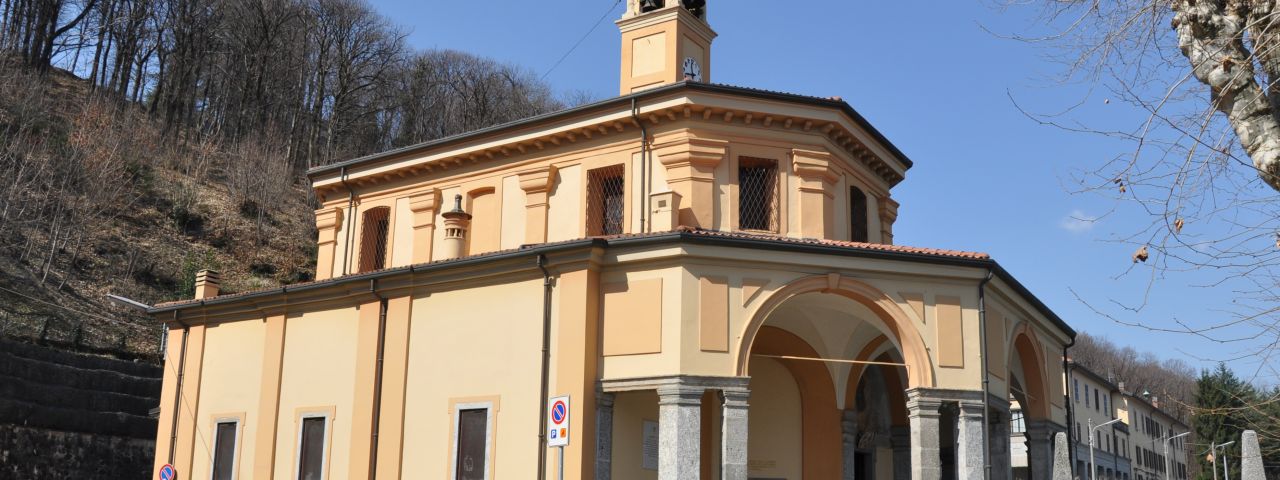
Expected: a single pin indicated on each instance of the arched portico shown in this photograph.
(864, 388)
(897, 325)
(1029, 388)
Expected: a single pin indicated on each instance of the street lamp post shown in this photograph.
(1226, 474)
(1167, 458)
(1093, 464)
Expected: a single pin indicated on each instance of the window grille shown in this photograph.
(606, 200)
(858, 225)
(373, 239)
(757, 194)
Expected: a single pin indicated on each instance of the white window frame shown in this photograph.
(235, 448)
(457, 426)
(324, 455)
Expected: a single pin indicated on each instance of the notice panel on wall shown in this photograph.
(650, 445)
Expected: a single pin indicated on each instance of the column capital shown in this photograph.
(425, 201)
(680, 395)
(538, 180)
(329, 218)
(735, 398)
(813, 165)
(706, 153)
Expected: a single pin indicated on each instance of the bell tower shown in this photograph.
(663, 42)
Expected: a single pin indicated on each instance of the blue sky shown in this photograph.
(938, 85)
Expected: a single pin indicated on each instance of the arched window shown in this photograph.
(858, 225)
(373, 239)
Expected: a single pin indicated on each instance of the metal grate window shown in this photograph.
(373, 239)
(858, 224)
(757, 194)
(606, 200)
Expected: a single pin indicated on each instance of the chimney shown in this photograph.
(664, 211)
(1155, 401)
(208, 283)
(1120, 386)
(456, 222)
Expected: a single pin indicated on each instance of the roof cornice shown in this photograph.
(855, 135)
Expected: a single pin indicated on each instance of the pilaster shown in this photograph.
(1040, 446)
(923, 416)
(888, 215)
(691, 164)
(679, 431)
(971, 450)
(817, 191)
(537, 191)
(901, 452)
(733, 456)
(604, 435)
(328, 222)
(424, 207)
(849, 444)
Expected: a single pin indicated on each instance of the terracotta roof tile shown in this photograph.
(682, 230)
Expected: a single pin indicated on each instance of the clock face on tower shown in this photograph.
(692, 70)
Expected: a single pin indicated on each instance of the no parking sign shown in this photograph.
(167, 472)
(558, 422)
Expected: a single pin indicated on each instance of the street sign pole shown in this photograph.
(561, 463)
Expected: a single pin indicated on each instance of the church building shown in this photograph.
(706, 275)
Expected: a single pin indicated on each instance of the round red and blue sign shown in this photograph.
(558, 412)
(167, 472)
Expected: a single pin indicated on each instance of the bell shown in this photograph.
(696, 7)
(650, 5)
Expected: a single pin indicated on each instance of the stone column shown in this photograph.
(424, 206)
(1001, 453)
(923, 417)
(970, 448)
(679, 432)
(817, 189)
(1250, 457)
(1040, 447)
(733, 444)
(328, 222)
(537, 192)
(901, 452)
(849, 436)
(604, 435)
(1061, 458)
(691, 164)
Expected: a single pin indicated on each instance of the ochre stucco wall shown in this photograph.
(229, 388)
(460, 356)
(318, 373)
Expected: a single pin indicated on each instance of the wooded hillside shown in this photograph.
(143, 140)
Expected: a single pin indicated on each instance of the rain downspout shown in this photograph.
(351, 202)
(547, 286)
(177, 396)
(986, 375)
(644, 163)
(377, 378)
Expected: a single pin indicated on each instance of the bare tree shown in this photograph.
(1205, 158)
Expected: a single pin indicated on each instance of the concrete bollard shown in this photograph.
(1061, 459)
(1250, 457)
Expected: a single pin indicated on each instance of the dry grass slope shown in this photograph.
(96, 198)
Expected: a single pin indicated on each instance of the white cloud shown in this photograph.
(1078, 222)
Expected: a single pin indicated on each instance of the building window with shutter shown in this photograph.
(606, 200)
(757, 194)
(225, 443)
(313, 446)
(472, 436)
(859, 225)
(374, 228)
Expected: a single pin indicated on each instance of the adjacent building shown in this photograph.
(1156, 447)
(708, 273)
